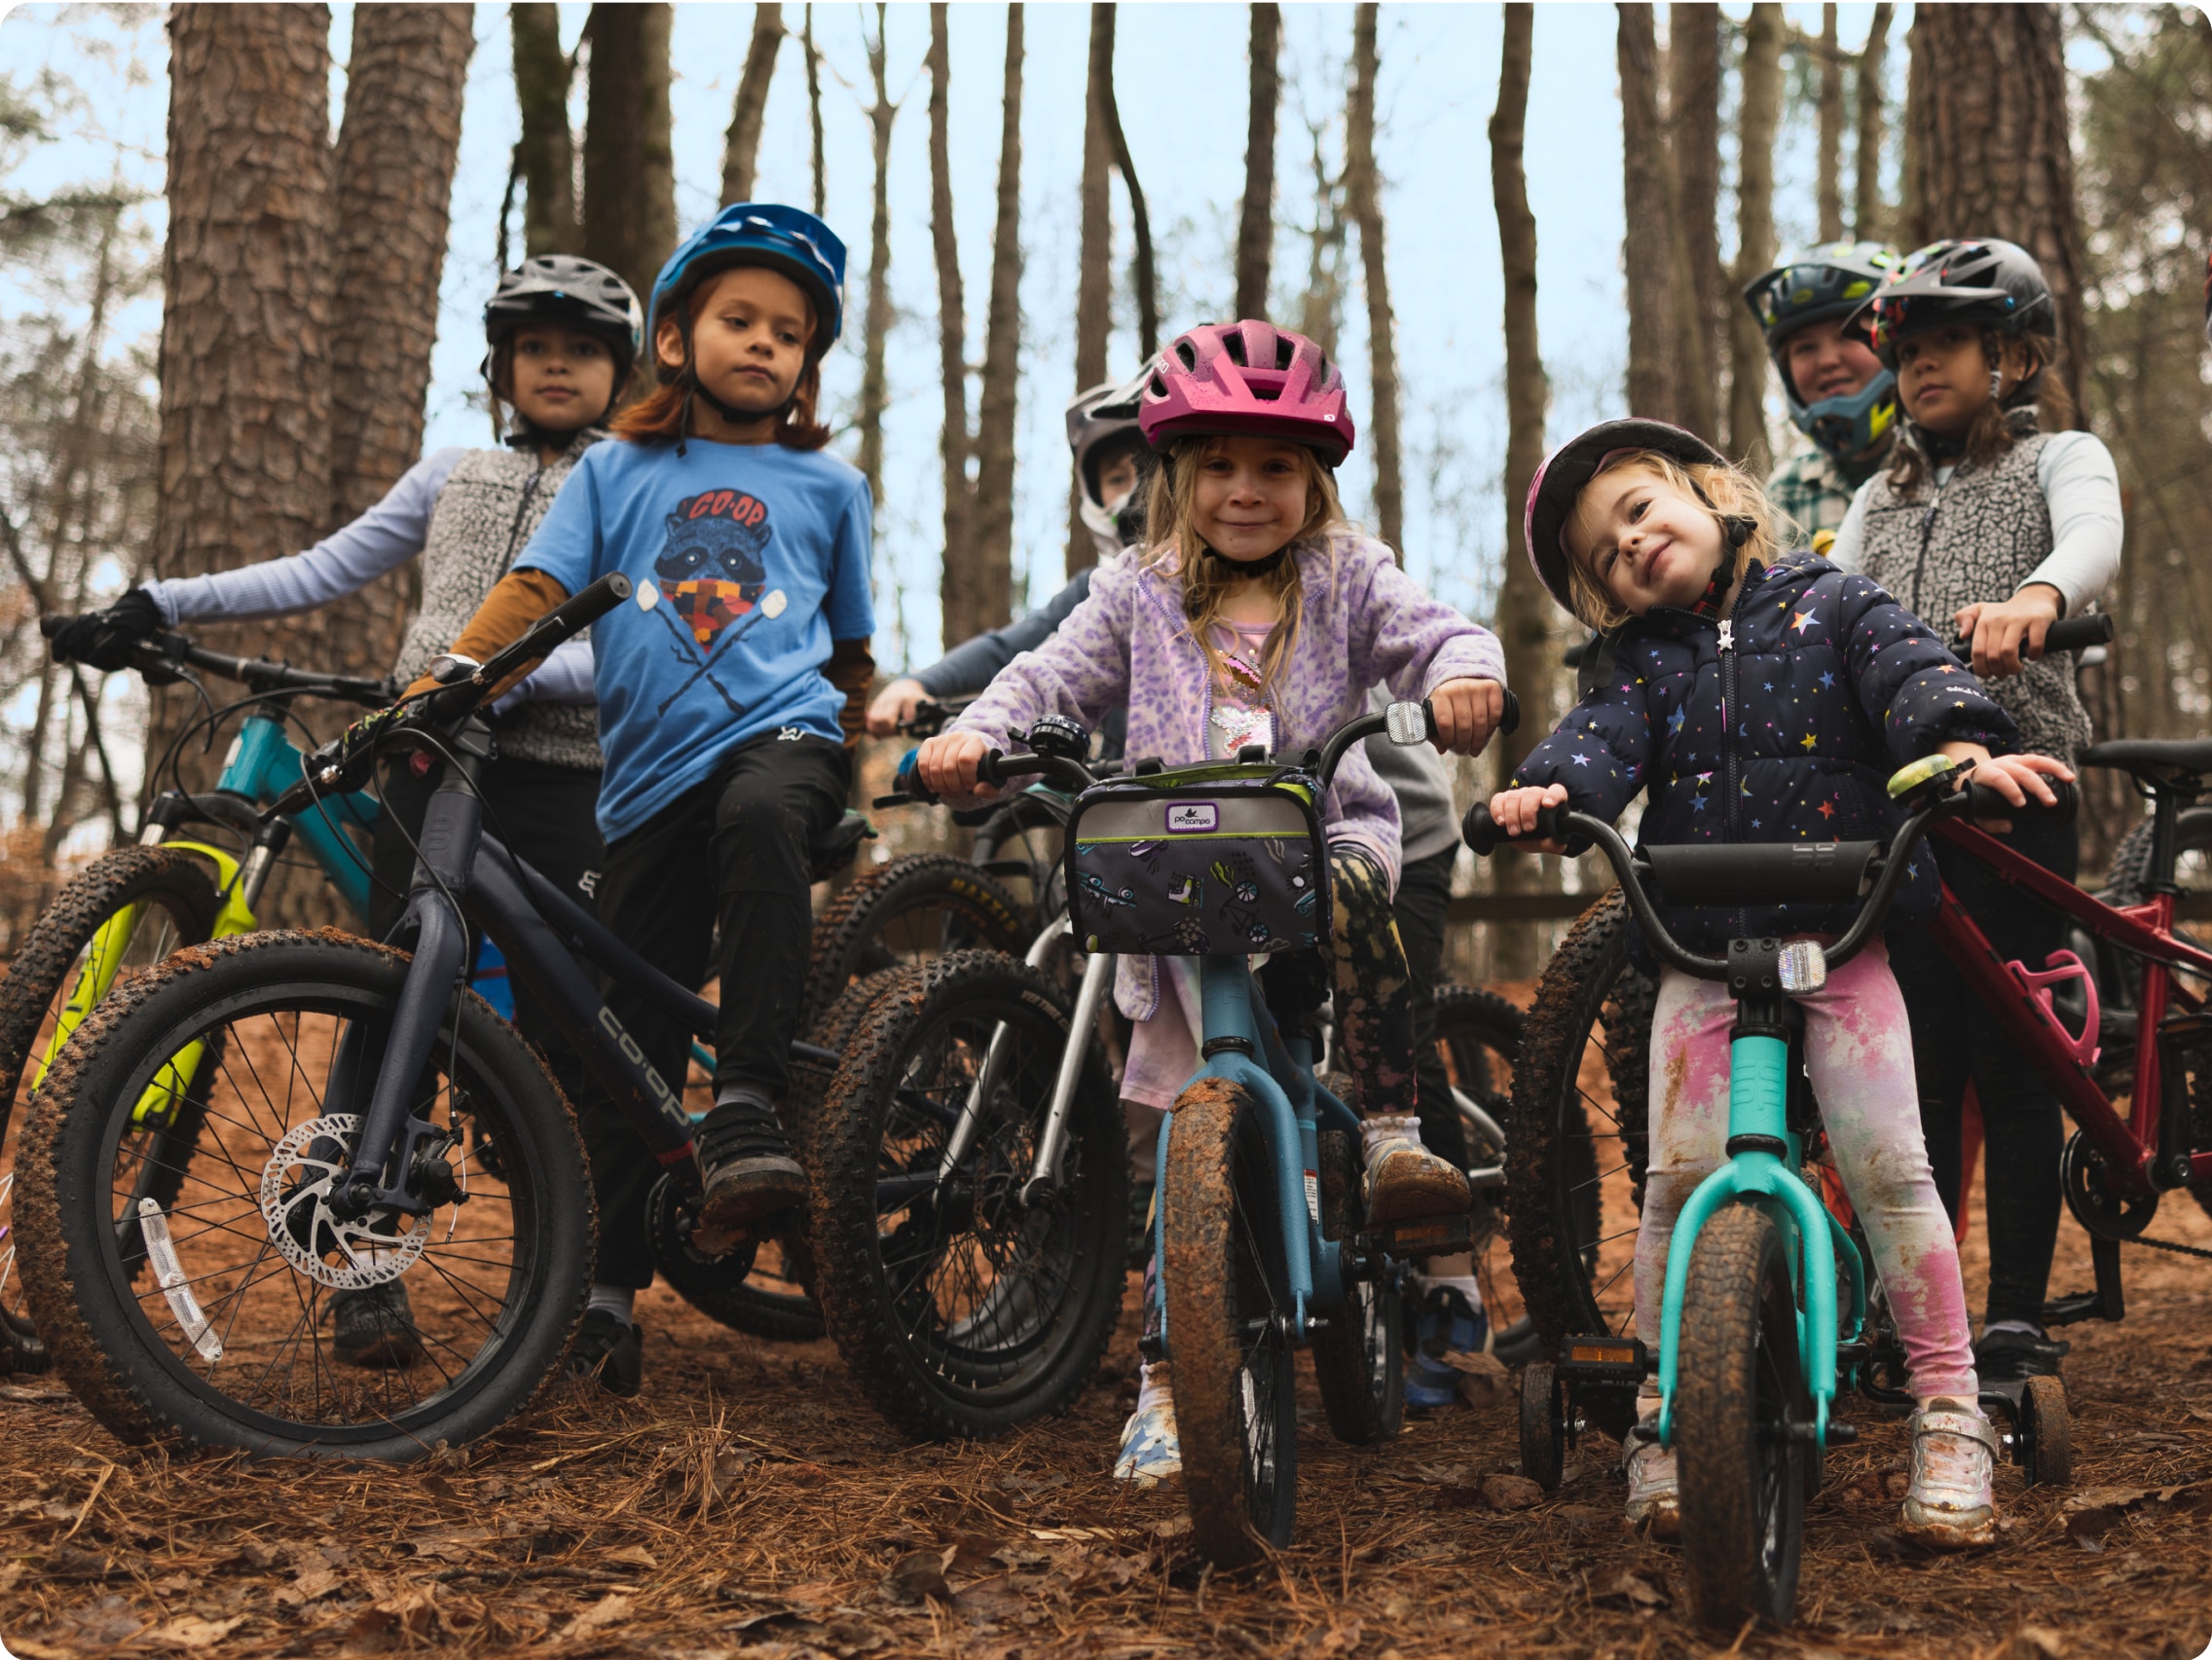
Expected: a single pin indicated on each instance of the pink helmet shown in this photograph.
(1247, 380)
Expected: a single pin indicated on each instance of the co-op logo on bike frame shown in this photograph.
(712, 576)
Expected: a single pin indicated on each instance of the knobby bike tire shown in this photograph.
(1228, 1305)
(938, 1353)
(38, 978)
(1480, 1034)
(104, 1343)
(1739, 1391)
(1567, 1253)
(875, 924)
(2127, 882)
(1359, 1358)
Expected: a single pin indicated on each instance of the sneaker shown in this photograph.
(1406, 1182)
(2008, 1356)
(611, 1350)
(751, 1174)
(1150, 1449)
(1653, 1490)
(374, 1326)
(1448, 1325)
(1952, 1503)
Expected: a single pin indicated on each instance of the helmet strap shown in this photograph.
(1266, 566)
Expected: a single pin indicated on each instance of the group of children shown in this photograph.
(1234, 603)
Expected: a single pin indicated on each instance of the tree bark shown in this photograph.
(1322, 312)
(394, 185)
(1828, 189)
(546, 154)
(1095, 262)
(1991, 153)
(993, 525)
(1363, 198)
(629, 166)
(1142, 276)
(1256, 228)
(740, 144)
(245, 317)
(814, 112)
(1693, 123)
(875, 325)
(1654, 382)
(959, 588)
(1755, 235)
(1524, 608)
(1867, 219)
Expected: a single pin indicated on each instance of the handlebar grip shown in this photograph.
(53, 623)
(1510, 721)
(907, 783)
(987, 769)
(1485, 835)
(1984, 802)
(2074, 633)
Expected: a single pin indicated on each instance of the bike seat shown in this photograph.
(840, 845)
(2154, 757)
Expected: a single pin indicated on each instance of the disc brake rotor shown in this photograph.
(296, 1184)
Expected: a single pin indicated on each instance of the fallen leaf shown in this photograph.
(1481, 1376)
(1510, 1492)
(450, 1545)
(192, 1631)
(2033, 1643)
(29, 1396)
(920, 1574)
(409, 1612)
(634, 1556)
(1173, 1528)
(1642, 1592)
(313, 1584)
(971, 1553)
(611, 1610)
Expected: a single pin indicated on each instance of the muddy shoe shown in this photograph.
(1404, 1181)
(610, 1349)
(2006, 1355)
(374, 1327)
(1951, 1504)
(1150, 1450)
(1654, 1501)
(751, 1174)
(1449, 1324)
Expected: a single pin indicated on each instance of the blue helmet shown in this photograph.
(788, 240)
(1829, 283)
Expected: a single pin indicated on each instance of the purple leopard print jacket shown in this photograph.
(1129, 645)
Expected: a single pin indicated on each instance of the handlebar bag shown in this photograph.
(1198, 860)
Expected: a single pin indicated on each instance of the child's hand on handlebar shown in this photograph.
(894, 706)
(2008, 635)
(1467, 713)
(947, 765)
(2020, 779)
(1515, 811)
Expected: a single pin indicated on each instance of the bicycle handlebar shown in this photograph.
(161, 655)
(2068, 634)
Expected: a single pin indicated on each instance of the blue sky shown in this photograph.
(1181, 80)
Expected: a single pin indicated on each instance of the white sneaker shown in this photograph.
(1149, 1447)
(1952, 1502)
(1653, 1500)
(1404, 1181)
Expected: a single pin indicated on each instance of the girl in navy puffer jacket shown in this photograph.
(1765, 698)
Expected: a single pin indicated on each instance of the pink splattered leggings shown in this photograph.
(1858, 1057)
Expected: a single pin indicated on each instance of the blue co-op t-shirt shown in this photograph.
(747, 560)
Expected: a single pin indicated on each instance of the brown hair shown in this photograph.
(2042, 389)
(1722, 491)
(663, 415)
(1171, 527)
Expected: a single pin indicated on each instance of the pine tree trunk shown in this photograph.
(1868, 220)
(246, 319)
(629, 168)
(1991, 154)
(1524, 608)
(1095, 262)
(875, 325)
(1755, 235)
(1256, 228)
(393, 185)
(1693, 125)
(814, 112)
(1646, 192)
(993, 527)
(1828, 189)
(546, 154)
(1363, 200)
(958, 595)
(740, 144)
(1143, 279)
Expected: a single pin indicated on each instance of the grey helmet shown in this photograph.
(575, 293)
(1102, 424)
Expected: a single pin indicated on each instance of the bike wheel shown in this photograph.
(159, 898)
(962, 1312)
(201, 1322)
(2047, 1427)
(2127, 882)
(1478, 1038)
(1359, 1358)
(1227, 1297)
(1543, 1425)
(909, 912)
(1740, 1411)
(1577, 1136)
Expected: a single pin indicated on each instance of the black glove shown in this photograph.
(104, 640)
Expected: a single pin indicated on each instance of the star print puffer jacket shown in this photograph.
(1829, 685)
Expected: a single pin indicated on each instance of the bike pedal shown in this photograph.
(1434, 1237)
(1619, 1362)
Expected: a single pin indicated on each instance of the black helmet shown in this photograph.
(1820, 283)
(575, 293)
(1981, 281)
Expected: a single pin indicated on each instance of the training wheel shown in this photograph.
(1543, 1425)
(2046, 1433)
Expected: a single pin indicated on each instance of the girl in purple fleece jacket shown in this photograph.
(1255, 614)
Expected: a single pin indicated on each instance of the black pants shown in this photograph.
(1425, 896)
(735, 850)
(545, 815)
(1955, 1038)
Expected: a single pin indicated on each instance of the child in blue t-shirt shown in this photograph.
(727, 689)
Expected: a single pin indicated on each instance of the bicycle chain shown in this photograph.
(2178, 1249)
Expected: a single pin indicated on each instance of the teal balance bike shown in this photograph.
(1766, 1315)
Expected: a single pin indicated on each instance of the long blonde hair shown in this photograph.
(1722, 491)
(1174, 546)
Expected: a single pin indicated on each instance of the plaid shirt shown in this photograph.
(1812, 491)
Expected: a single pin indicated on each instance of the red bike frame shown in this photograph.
(2130, 1144)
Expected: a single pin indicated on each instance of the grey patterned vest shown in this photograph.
(1976, 539)
(485, 515)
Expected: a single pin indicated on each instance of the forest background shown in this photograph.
(316, 200)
